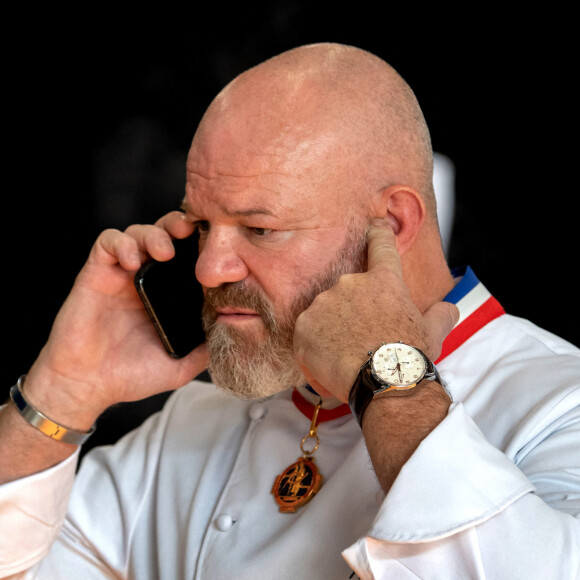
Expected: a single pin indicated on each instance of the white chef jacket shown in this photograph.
(492, 492)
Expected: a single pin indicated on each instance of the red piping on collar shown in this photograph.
(307, 408)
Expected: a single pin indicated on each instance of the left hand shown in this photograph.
(361, 311)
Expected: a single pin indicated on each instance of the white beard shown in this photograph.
(253, 368)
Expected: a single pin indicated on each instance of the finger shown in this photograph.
(133, 247)
(176, 224)
(115, 247)
(193, 364)
(382, 248)
(152, 241)
(316, 385)
(440, 320)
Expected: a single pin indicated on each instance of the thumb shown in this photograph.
(440, 318)
(193, 364)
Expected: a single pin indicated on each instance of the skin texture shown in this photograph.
(289, 159)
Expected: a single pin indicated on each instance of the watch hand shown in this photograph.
(398, 369)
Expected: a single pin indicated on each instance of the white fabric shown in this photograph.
(444, 187)
(493, 492)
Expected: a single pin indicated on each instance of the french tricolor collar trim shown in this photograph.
(477, 307)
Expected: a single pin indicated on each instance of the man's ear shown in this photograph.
(404, 209)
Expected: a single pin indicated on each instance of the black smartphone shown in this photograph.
(173, 298)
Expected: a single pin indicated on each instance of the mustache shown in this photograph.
(240, 295)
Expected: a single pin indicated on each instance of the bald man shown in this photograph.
(328, 444)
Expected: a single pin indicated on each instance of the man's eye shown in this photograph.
(202, 226)
(260, 231)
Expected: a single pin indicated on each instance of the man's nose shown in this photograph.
(219, 261)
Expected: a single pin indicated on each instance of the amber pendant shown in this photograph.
(297, 485)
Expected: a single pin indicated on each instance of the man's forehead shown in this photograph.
(282, 173)
(231, 209)
(243, 190)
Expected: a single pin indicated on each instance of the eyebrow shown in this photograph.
(249, 212)
(239, 212)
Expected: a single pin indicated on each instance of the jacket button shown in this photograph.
(257, 411)
(224, 522)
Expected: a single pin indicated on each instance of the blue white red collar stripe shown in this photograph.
(477, 307)
(466, 281)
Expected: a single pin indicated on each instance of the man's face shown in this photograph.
(273, 234)
(253, 366)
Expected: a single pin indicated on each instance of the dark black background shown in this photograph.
(99, 112)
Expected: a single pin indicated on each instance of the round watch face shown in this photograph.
(398, 364)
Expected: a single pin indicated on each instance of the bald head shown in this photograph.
(339, 99)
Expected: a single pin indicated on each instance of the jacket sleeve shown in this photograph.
(32, 511)
(460, 508)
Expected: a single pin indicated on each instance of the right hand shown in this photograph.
(103, 348)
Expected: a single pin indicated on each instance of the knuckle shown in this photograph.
(348, 279)
(136, 230)
(300, 321)
(108, 234)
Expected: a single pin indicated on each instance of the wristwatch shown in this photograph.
(394, 369)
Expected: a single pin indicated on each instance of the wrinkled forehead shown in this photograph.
(236, 151)
(265, 149)
(256, 188)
